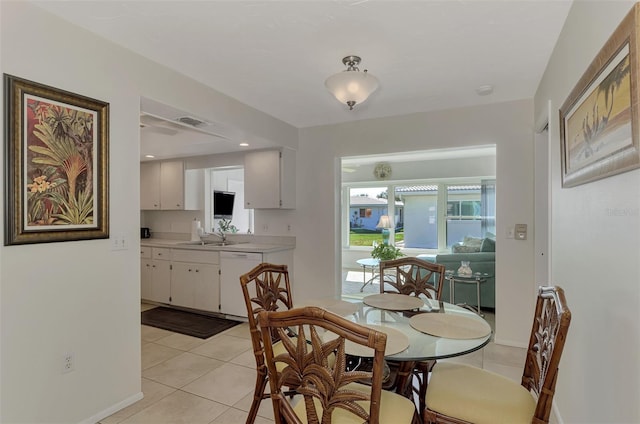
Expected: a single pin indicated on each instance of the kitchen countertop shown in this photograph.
(237, 247)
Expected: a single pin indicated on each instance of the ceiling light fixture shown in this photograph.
(484, 90)
(352, 86)
(244, 144)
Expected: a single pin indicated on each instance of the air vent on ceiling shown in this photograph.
(190, 120)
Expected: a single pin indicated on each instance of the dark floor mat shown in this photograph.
(188, 323)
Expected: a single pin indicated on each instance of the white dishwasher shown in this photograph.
(232, 266)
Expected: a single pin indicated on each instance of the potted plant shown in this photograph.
(385, 252)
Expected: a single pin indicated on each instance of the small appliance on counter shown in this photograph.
(145, 232)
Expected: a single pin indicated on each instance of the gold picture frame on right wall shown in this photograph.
(599, 120)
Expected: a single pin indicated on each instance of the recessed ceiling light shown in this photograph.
(484, 90)
(149, 156)
(244, 144)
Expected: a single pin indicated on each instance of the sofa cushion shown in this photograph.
(488, 245)
(463, 248)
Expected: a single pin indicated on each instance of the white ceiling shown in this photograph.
(275, 55)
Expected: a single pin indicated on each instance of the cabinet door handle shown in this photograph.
(197, 270)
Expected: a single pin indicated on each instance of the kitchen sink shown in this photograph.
(220, 243)
(208, 243)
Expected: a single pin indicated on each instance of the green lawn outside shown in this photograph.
(367, 239)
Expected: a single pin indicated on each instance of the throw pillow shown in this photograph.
(461, 248)
(472, 241)
(488, 245)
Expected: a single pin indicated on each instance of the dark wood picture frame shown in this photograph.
(599, 119)
(56, 164)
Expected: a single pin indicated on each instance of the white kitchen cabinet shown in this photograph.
(155, 280)
(155, 274)
(195, 280)
(167, 186)
(207, 288)
(150, 186)
(269, 179)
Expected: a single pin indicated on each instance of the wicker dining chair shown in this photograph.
(326, 392)
(412, 276)
(265, 288)
(415, 277)
(459, 393)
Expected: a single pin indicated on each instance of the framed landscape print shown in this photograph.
(56, 164)
(599, 119)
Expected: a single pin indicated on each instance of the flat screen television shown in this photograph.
(223, 204)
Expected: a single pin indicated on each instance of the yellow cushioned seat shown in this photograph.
(393, 408)
(478, 396)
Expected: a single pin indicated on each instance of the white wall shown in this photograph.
(81, 297)
(595, 245)
(317, 217)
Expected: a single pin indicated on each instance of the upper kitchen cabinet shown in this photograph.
(270, 179)
(167, 186)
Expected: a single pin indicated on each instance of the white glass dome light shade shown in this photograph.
(352, 86)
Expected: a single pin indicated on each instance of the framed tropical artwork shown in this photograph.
(599, 120)
(56, 164)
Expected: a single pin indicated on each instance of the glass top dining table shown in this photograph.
(422, 346)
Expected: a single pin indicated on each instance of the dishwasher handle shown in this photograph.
(247, 256)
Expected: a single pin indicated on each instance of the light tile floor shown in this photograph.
(186, 380)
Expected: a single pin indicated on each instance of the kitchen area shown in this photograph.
(197, 204)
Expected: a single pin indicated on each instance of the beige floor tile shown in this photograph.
(266, 406)
(179, 408)
(246, 359)
(506, 355)
(226, 384)
(511, 372)
(181, 370)
(152, 391)
(153, 354)
(151, 334)
(235, 416)
(223, 347)
(240, 330)
(180, 341)
(474, 359)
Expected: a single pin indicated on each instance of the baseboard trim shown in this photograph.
(555, 413)
(113, 409)
(510, 343)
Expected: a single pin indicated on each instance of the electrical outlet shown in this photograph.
(265, 228)
(67, 363)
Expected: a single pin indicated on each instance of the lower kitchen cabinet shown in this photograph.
(186, 278)
(203, 280)
(195, 285)
(155, 280)
(207, 288)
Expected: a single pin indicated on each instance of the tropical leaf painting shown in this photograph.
(59, 164)
(601, 124)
